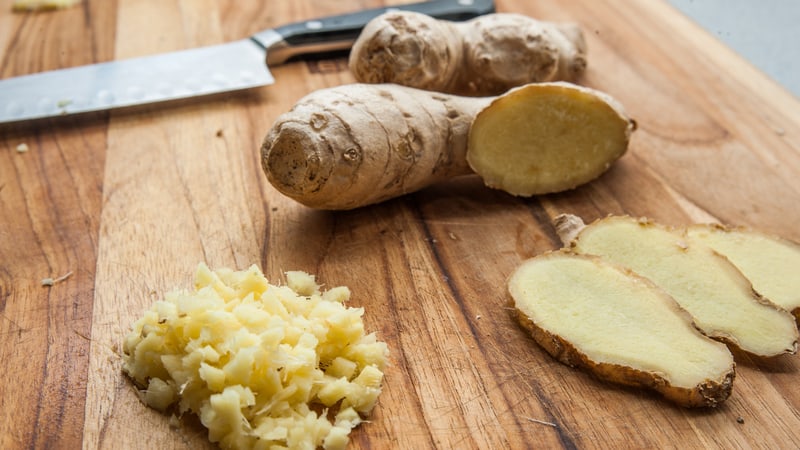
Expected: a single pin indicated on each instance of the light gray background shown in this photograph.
(765, 32)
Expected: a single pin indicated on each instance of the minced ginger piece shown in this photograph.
(261, 365)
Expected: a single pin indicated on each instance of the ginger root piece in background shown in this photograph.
(717, 295)
(484, 56)
(620, 327)
(359, 144)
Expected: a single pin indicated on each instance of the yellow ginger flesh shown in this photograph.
(592, 314)
(719, 298)
(771, 263)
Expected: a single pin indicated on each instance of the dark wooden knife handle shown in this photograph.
(339, 32)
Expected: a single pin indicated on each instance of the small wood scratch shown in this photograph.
(541, 422)
(81, 335)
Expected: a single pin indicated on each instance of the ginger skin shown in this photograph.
(359, 144)
(484, 56)
(568, 226)
(354, 145)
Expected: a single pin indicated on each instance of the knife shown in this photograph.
(228, 67)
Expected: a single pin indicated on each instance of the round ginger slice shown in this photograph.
(547, 137)
(594, 315)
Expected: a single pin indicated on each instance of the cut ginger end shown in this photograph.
(620, 327)
(547, 137)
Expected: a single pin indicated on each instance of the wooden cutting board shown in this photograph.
(123, 206)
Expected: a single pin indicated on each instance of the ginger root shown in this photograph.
(484, 56)
(590, 314)
(359, 144)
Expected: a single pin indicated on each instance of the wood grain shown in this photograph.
(127, 203)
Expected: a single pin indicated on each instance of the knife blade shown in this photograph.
(227, 67)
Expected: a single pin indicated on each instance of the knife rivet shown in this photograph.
(313, 24)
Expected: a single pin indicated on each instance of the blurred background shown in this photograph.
(765, 32)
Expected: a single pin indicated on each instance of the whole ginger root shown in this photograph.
(484, 56)
(359, 144)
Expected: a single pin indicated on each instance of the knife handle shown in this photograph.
(339, 32)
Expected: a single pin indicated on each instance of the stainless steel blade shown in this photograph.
(201, 71)
(167, 76)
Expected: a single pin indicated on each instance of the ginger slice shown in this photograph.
(547, 137)
(717, 295)
(619, 326)
(771, 263)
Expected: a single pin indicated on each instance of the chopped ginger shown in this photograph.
(259, 364)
